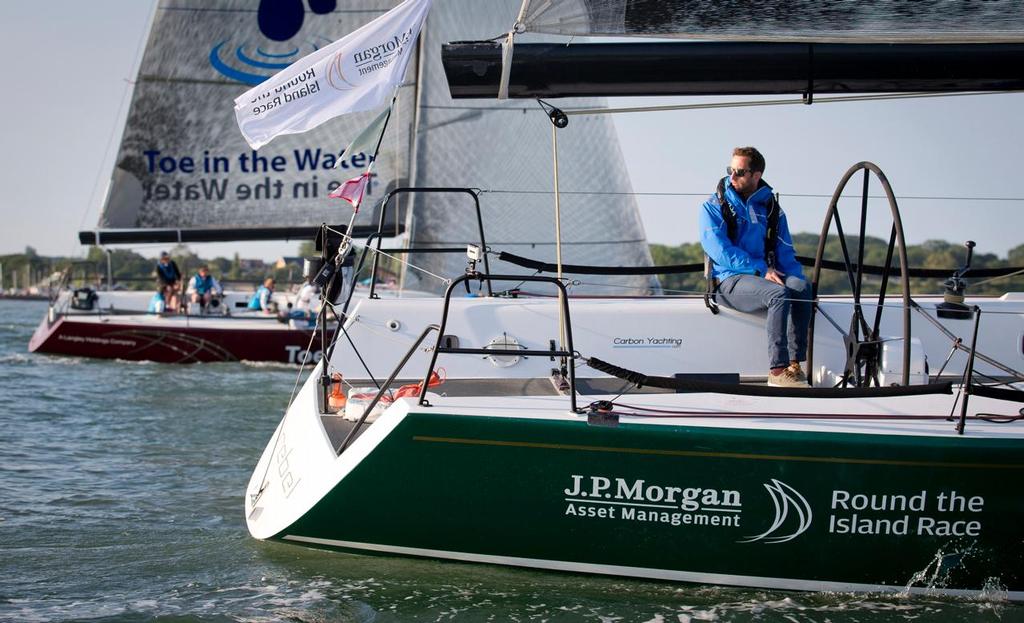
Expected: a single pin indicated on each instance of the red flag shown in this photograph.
(352, 191)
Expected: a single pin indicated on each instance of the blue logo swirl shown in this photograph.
(279, 21)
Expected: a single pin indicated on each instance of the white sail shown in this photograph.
(505, 148)
(182, 162)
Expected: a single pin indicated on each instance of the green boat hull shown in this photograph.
(796, 509)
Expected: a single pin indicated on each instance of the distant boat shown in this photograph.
(115, 325)
(184, 174)
(634, 437)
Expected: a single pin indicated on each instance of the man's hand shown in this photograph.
(775, 277)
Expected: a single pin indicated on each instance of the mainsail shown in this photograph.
(880, 21)
(183, 170)
(505, 149)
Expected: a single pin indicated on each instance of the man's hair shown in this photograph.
(756, 159)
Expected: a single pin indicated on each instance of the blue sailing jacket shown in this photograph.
(746, 255)
(202, 285)
(168, 273)
(260, 299)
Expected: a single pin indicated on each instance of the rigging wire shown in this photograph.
(714, 105)
(778, 102)
(896, 304)
(505, 191)
(355, 243)
(305, 359)
(120, 119)
(978, 283)
(280, 426)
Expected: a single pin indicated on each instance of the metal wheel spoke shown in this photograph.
(853, 276)
(846, 255)
(862, 340)
(863, 229)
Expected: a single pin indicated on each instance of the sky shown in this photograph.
(953, 163)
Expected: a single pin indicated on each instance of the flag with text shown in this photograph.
(358, 72)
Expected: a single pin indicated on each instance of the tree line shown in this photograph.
(131, 270)
(932, 254)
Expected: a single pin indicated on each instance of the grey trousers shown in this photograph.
(789, 312)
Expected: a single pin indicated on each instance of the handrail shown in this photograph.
(386, 386)
(563, 300)
(411, 189)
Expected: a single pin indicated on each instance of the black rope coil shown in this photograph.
(691, 385)
(1013, 395)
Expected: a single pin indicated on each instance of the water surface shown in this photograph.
(121, 491)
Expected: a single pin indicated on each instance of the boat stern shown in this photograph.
(301, 464)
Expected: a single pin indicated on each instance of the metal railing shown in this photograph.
(386, 386)
(428, 190)
(567, 354)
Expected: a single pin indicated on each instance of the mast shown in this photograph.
(414, 142)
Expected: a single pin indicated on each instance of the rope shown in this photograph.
(639, 379)
(997, 418)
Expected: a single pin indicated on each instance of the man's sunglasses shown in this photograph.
(737, 172)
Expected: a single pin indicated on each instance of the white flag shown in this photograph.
(358, 72)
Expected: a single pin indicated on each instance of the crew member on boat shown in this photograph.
(261, 299)
(307, 298)
(204, 289)
(753, 263)
(168, 279)
(305, 306)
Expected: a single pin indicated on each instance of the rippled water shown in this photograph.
(121, 491)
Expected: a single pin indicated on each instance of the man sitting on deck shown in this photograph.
(754, 267)
(203, 288)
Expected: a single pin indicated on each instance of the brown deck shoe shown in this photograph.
(785, 378)
(798, 372)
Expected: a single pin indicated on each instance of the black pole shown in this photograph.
(969, 373)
